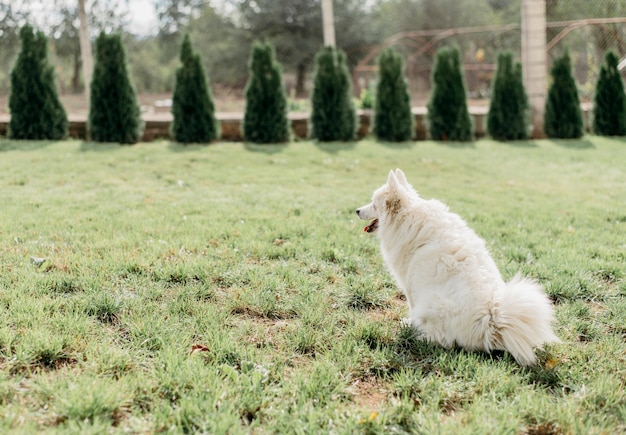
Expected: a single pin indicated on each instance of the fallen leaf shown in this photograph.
(551, 363)
(197, 348)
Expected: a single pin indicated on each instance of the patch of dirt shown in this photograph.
(369, 393)
(258, 315)
(393, 310)
(451, 405)
(545, 428)
(267, 330)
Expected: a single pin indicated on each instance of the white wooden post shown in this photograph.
(534, 60)
(328, 23)
(85, 48)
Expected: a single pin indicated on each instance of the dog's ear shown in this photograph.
(402, 178)
(393, 200)
(392, 181)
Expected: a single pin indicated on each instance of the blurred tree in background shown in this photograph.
(224, 30)
(333, 116)
(58, 19)
(36, 111)
(114, 114)
(393, 119)
(10, 19)
(609, 108)
(225, 46)
(192, 106)
(508, 117)
(563, 117)
(448, 117)
(67, 47)
(295, 29)
(265, 117)
(173, 18)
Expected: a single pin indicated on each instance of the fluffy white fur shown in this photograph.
(455, 292)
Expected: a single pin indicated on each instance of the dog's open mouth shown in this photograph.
(371, 227)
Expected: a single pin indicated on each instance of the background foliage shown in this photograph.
(114, 114)
(563, 116)
(508, 109)
(609, 109)
(265, 117)
(333, 115)
(448, 117)
(393, 118)
(36, 111)
(192, 106)
(223, 31)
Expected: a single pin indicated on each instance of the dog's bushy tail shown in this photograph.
(524, 319)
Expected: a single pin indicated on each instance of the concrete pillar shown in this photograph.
(85, 49)
(534, 60)
(328, 23)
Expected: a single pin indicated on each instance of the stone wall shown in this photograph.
(158, 128)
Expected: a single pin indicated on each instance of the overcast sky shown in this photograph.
(143, 17)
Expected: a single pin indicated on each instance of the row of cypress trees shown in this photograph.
(508, 116)
(114, 114)
(333, 114)
(37, 112)
(563, 116)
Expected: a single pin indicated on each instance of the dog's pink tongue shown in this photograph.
(371, 227)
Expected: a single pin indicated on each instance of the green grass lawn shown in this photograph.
(231, 289)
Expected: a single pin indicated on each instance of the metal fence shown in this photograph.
(586, 29)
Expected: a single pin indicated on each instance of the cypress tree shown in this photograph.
(192, 102)
(114, 114)
(333, 116)
(563, 117)
(265, 118)
(609, 109)
(393, 120)
(508, 109)
(36, 111)
(448, 116)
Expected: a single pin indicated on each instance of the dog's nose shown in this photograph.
(357, 211)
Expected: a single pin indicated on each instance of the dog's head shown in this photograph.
(387, 200)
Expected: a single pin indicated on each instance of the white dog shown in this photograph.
(455, 292)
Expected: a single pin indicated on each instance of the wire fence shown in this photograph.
(587, 30)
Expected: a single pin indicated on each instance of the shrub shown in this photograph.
(609, 110)
(393, 120)
(114, 114)
(265, 118)
(36, 111)
(448, 116)
(563, 117)
(367, 98)
(192, 103)
(508, 109)
(333, 116)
